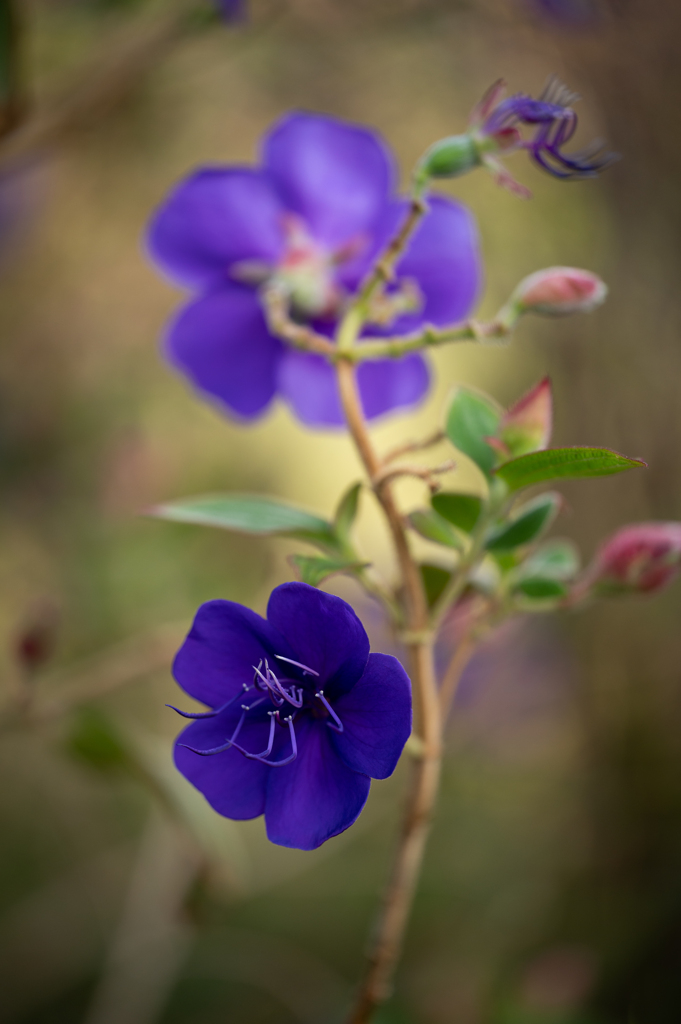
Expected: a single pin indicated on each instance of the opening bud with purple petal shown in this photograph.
(640, 558)
(495, 128)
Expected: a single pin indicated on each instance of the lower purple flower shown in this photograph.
(302, 715)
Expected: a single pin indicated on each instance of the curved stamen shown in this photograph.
(275, 764)
(270, 742)
(209, 714)
(338, 727)
(306, 669)
(225, 746)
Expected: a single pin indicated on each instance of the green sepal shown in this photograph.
(472, 416)
(462, 510)
(561, 463)
(527, 524)
(540, 588)
(315, 570)
(253, 514)
(346, 513)
(433, 527)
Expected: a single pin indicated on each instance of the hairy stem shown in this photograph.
(391, 925)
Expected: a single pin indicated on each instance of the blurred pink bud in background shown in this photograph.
(643, 558)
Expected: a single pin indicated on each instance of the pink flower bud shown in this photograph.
(642, 558)
(526, 427)
(559, 291)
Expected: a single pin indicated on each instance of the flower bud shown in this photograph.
(640, 558)
(526, 426)
(448, 158)
(559, 291)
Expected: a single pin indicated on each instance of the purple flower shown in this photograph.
(496, 125)
(231, 10)
(311, 219)
(303, 715)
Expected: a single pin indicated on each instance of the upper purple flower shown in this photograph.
(303, 715)
(312, 218)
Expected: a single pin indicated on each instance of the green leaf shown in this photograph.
(435, 579)
(556, 560)
(250, 513)
(433, 527)
(462, 510)
(556, 463)
(527, 524)
(95, 740)
(473, 416)
(541, 589)
(346, 513)
(314, 570)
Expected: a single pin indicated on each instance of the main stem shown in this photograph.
(389, 934)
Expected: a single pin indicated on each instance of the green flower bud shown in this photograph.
(449, 158)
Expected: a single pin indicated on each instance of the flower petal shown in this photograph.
(444, 259)
(222, 344)
(309, 385)
(376, 717)
(337, 176)
(233, 785)
(212, 219)
(386, 384)
(315, 797)
(324, 631)
(224, 643)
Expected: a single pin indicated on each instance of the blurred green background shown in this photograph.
(551, 891)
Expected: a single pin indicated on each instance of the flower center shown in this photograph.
(306, 272)
(288, 699)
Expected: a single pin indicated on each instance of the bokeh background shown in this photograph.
(551, 891)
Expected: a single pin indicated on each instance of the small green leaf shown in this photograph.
(346, 513)
(462, 510)
(314, 570)
(527, 524)
(539, 588)
(473, 416)
(556, 463)
(556, 560)
(250, 513)
(434, 528)
(95, 740)
(435, 579)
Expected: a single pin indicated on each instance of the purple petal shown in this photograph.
(232, 784)
(214, 218)
(443, 259)
(315, 797)
(324, 632)
(387, 384)
(224, 643)
(222, 344)
(337, 176)
(309, 385)
(376, 717)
